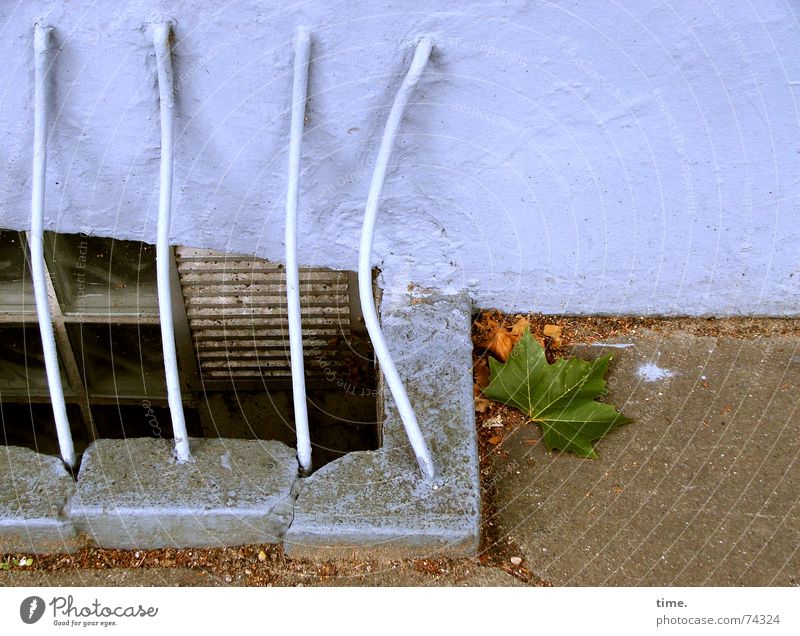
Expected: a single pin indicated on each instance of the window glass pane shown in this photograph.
(144, 419)
(119, 360)
(101, 275)
(16, 288)
(34, 426)
(22, 370)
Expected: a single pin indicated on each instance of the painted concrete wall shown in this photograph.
(583, 156)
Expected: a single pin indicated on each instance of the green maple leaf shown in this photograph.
(559, 396)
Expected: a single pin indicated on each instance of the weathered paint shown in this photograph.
(560, 156)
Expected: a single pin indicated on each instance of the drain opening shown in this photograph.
(232, 341)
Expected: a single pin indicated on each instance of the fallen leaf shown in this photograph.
(481, 403)
(495, 333)
(502, 345)
(481, 372)
(520, 326)
(554, 333)
(559, 396)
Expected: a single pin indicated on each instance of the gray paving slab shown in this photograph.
(703, 489)
(376, 502)
(132, 494)
(33, 491)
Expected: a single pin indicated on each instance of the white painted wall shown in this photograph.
(583, 156)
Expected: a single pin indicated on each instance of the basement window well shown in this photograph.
(232, 340)
(241, 469)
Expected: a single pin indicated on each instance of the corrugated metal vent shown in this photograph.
(236, 310)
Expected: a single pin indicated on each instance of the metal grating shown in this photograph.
(236, 310)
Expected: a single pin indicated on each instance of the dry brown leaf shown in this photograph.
(482, 372)
(481, 404)
(502, 344)
(485, 328)
(554, 333)
(520, 326)
(494, 333)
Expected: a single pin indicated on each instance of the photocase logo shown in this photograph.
(67, 613)
(31, 609)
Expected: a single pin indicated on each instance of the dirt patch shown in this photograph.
(256, 565)
(588, 329)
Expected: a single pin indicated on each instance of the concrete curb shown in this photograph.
(375, 503)
(34, 489)
(132, 494)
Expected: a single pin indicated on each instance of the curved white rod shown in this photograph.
(302, 46)
(41, 44)
(365, 261)
(167, 102)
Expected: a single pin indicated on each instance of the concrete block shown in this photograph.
(132, 494)
(33, 491)
(376, 503)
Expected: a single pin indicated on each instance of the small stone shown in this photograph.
(494, 422)
(515, 560)
(262, 556)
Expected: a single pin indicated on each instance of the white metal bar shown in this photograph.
(161, 36)
(41, 45)
(71, 367)
(302, 46)
(421, 56)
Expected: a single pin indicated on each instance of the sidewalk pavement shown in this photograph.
(702, 489)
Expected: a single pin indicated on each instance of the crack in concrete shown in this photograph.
(291, 501)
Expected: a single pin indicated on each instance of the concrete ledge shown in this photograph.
(132, 494)
(34, 489)
(376, 503)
